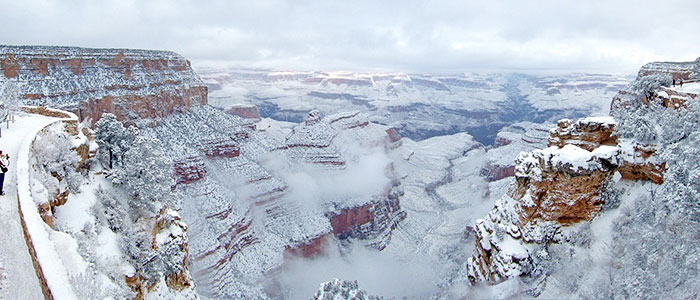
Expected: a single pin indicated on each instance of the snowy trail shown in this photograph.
(21, 281)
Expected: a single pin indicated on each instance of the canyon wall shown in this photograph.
(132, 84)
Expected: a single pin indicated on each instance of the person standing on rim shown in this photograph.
(4, 163)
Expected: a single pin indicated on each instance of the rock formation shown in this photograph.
(677, 70)
(132, 84)
(555, 187)
(169, 247)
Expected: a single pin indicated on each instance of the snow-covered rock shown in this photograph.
(555, 187)
(132, 84)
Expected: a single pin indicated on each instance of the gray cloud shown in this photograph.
(432, 36)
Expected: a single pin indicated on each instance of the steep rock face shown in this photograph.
(189, 169)
(676, 97)
(372, 221)
(82, 144)
(494, 172)
(666, 94)
(308, 249)
(554, 188)
(393, 135)
(132, 84)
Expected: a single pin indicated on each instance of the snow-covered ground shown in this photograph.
(693, 87)
(21, 280)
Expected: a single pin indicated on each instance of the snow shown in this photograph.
(67, 248)
(603, 120)
(693, 87)
(108, 245)
(513, 247)
(75, 214)
(53, 269)
(17, 263)
(569, 157)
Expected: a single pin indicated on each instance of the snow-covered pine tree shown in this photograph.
(55, 156)
(648, 84)
(111, 137)
(10, 100)
(146, 172)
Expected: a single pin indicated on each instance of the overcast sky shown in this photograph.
(427, 36)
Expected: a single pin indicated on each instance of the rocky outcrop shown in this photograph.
(308, 249)
(673, 97)
(586, 133)
(168, 262)
(81, 142)
(132, 84)
(392, 135)
(220, 148)
(555, 187)
(373, 221)
(495, 172)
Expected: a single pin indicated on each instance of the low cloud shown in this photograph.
(378, 273)
(312, 187)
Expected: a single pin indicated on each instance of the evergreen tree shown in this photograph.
(647, 85)
(113, 139)
(10, 99)
(146, 172)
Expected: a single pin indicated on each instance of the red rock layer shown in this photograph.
(245, 111)
(495, 172)
(189, 170)
(221, 149)
(309, 249)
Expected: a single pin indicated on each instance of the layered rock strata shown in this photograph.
(244, 215)
(132, 84)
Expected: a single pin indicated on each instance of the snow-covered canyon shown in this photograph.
(274, 183)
